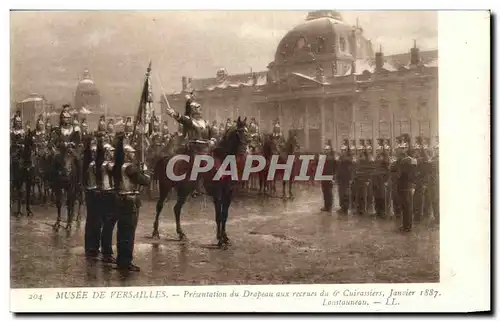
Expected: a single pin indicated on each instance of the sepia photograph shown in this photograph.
(222, 148)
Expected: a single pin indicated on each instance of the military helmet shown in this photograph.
(110, 125)
(108, 147)
(361, 145)
(127, 148)
(368, 145)
(353, 145)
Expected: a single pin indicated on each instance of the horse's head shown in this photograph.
(235, 138)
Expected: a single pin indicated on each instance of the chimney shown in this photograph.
(184, 83)
(414, 55)
(379, 60)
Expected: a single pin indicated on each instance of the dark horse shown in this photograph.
(66, 181)
(233, 143)
(21, 167)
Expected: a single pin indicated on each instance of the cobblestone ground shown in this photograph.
(274, 241)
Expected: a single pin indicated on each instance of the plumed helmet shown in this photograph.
(127, 148)
(361, 145)
(108, 147)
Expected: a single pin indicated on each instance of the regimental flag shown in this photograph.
(144, 112)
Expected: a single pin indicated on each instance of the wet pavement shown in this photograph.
(274, 241)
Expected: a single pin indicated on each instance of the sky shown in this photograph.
(50, 50)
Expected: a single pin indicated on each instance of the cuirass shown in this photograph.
(127, 186)
(199, 130)
(66, 132)
(92, 182)
(106, 178)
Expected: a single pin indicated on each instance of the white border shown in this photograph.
(464, 102)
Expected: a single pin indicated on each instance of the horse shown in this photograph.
(233, 143)
(21, 166)
(39, 175)
(66, 173)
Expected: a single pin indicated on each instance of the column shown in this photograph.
(353, 124)
(334, 125)
(321, 102)
(306, 123)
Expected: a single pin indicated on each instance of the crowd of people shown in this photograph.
(402, 180)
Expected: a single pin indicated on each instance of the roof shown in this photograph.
(402, 60)
(230, 81)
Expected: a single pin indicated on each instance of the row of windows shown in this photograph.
(321, 47)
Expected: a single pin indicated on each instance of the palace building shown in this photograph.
(327, 83)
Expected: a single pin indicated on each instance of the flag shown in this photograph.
(143, 117)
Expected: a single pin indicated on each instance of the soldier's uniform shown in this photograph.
(380, 180)
(354, 162)
(362, 179)
(17, 139)
(101, 129)
(434, 183)
(165, 134)
(405, 182)
(129, 177)
(393, 175)
(344, 177)
(110, 132)
(40, 136)
(107, 201)
(215, 130)
(327, 185)
(66, 136)
(93, 221)
(421, 206)
(254, 137)
(277, 136)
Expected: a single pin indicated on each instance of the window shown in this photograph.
(342, 44)
(321, 44)
(300, 43)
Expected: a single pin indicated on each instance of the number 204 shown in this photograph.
(35, 297)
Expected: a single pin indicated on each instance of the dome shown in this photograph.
(323, 33)
(86, 84)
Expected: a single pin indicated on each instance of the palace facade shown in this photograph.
(326, 83)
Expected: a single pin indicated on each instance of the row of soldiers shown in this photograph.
(404, 178)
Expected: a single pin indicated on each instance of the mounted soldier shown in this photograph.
(110, 132)
(215, 130)
(254, 137)
(65, 136)
(40, 136)
(85, 127)
(165, 133)
(128, 130)
(156, 136)
(199, 132)
(229, 124)
(277, 135)
(101, 128)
